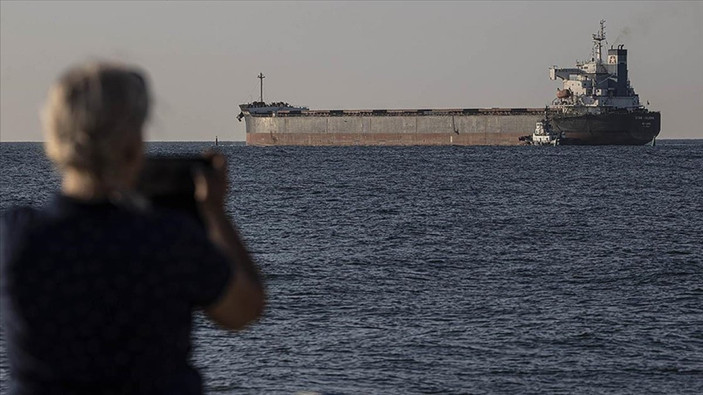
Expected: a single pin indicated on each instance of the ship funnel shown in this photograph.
(617, 63)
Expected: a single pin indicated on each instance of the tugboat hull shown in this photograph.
(615, 128)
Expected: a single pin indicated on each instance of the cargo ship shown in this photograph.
(595, 106)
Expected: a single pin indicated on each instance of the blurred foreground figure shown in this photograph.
(97, 289)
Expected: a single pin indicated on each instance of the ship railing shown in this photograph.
(401, 112)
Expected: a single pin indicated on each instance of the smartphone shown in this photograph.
(167, 181)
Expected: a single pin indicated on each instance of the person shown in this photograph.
(97, 289)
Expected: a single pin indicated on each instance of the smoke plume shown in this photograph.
(623, 35)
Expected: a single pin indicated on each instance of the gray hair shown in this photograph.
(93, 115)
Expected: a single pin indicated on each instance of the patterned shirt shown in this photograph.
(98, 298)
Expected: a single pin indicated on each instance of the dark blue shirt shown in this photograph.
(98, 298)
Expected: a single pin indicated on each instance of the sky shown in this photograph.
(202, 58)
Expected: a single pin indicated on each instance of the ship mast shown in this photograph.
(598, 42)
(261, 77)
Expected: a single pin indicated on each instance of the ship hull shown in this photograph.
(615, 128)
(497, 126)
(388, 139)
(392, 127)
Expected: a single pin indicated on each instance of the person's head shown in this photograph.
(93, 122)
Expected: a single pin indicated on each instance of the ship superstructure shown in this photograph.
(261, 107)
(596, 85)
(597, 104)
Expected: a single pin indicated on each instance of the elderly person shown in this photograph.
(97, 291)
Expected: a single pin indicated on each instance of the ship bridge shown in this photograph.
(596, 83)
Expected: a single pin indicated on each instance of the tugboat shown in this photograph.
(597, 105)
(544, 134)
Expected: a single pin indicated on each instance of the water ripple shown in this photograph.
(455, 270)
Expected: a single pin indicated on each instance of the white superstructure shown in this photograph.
(596, 85)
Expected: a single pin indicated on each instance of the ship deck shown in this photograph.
(401, 112)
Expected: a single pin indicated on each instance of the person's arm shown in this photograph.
(244, 298)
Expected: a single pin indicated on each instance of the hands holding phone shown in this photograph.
(198, 186)
(244, 301)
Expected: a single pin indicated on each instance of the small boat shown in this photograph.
(544, 134)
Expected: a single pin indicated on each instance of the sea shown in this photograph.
(452, 270)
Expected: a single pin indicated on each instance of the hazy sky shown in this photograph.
(203, 57)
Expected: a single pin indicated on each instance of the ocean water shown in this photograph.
(454, 270)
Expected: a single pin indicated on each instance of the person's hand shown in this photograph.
(211, 185)
(244, 299)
